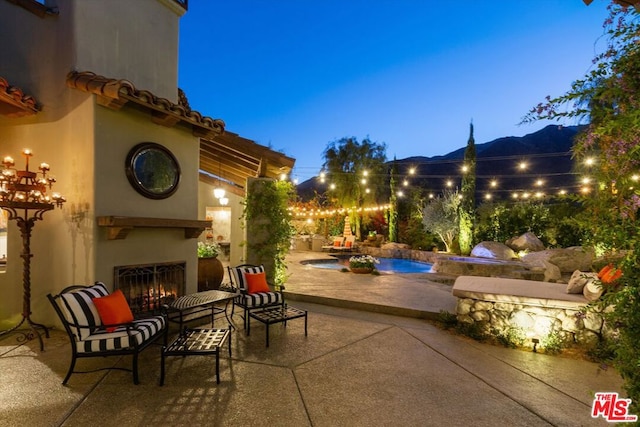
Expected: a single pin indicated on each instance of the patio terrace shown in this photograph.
(358, 366)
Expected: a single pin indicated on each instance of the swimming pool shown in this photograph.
(387, 265)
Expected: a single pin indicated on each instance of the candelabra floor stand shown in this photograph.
(26, 225)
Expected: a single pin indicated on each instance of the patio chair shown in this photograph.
(91, 337)
(338, 243)
(349, 244)
(253, 295)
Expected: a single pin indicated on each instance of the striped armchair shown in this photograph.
(91, 338)
(252, 301)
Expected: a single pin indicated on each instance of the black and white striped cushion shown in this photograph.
(261, 298)
(80, 311)
(143, 330)
(239, 277)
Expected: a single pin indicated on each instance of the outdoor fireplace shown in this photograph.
(147, 287)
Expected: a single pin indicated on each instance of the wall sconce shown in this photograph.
(224, 201)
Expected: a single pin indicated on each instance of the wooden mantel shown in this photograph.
(118, 227)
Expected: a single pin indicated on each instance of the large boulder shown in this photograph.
(527, 242)
(494, 250)
(551, 271)
(568, 260)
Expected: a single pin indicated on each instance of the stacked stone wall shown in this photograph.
(570, 324)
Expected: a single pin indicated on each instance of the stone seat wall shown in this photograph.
(538, 308)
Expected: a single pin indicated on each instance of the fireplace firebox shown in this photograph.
(147, 287)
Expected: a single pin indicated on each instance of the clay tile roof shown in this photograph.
(14, 103)
(115, 93)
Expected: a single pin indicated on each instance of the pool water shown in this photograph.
(387, 265)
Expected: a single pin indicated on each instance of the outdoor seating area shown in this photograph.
(341, 244)
(361, 355)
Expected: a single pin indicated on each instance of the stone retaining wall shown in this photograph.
(535, 321)
(504, 307)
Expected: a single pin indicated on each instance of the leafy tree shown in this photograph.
(440, 217)
(413, 231)
(501, 221)
(393, 200)
(467, 212)
(607, 98)
(353, 168)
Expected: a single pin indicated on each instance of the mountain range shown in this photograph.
(540, 162)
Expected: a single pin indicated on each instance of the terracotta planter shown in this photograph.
(210, 273)
(361, 270)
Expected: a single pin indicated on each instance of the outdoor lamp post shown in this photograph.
(23, 194)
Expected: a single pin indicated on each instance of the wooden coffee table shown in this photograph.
(277, 314)
(197, 342)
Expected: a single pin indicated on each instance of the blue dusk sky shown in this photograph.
(297, 74)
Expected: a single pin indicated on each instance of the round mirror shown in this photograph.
(152, 170)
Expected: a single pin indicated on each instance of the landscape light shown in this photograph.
(493, 183)
(365, 173)
(332, 186)
(635, 177)
(562, 192)
(586, 180)
(522, 166)
(539, 182)
(465, 168)
(367, 191)
(589, 161)
(487, 196)
(400, 193)
(405, 183)
(412, 171)
(431, 196)
(363, 181)
(449, 183)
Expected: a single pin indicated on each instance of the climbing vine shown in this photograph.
(268, 224)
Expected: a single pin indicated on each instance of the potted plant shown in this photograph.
(363, 264)
(210, 269)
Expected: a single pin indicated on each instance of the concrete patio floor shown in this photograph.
(356, 367)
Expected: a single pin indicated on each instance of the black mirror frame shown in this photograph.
(149, 186)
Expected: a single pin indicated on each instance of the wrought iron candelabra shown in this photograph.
(23, 194)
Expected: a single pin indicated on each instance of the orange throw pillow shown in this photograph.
(337, 243)
(348, 244)
(113, 309)
(256, 282)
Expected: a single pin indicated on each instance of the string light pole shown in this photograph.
(23, 194)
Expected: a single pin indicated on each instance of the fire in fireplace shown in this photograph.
(147, 287)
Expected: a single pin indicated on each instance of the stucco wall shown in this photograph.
(133, 40)
(61, 242)
(116, 133)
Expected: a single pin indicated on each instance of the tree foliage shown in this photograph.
(393, 200)
(269, 228)
(608, 99)
(440, 217)
(467, 212)
(346, 162)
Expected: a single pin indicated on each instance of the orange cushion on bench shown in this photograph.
(256, 282)
(113, 309)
